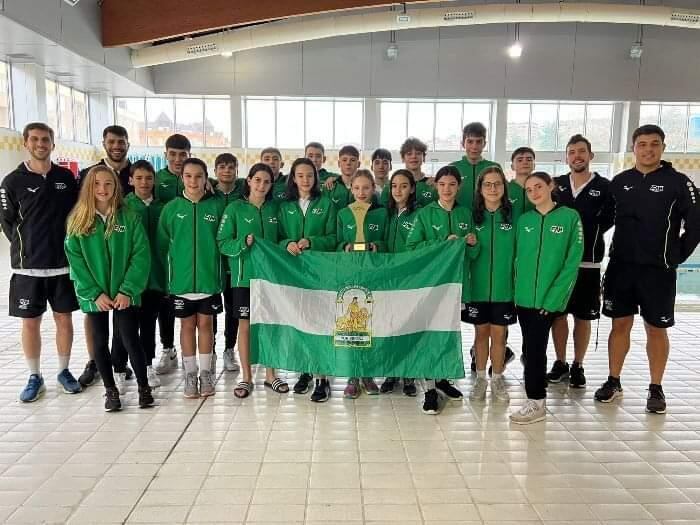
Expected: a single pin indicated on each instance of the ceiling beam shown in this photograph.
(142, 21)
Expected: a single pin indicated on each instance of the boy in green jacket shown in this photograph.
(338, 188)
(523, 164)
(273, 158)
(187, 241)
(316, 153)
(549, 248)
(375, 221)
(472, 163)
(413, 152)
(110, 260)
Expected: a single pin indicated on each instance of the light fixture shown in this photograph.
(515, 50)
(227, 54)
(636, 50)
(392, 50)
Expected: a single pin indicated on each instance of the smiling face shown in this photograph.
(194, 179)
(362, 189)
(413, 159)
(143, 181)
(116, 147)
(538, 191)
(401, 190)
(176, 158)
(447, 188)
(648, 150)
(39, 144)
(492, 189)
(304, 179)
(226, 172)
(104, 187)
(578, 157)
(260, 183)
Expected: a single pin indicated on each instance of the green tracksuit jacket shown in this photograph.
(549, 249)
(119, 263)
(187, 243)
(374, 227)
(398, 229)
(150, 215)
(519, 201)
(279, 188)
(317, 226)
(341, 195)
(493, 267)
(470, 175)
(323, 174)
(241, 219)
(434, 224)
(425, 194)
(168, 186)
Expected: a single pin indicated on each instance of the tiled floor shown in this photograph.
(282, 459)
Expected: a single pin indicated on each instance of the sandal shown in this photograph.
(244, 388)
(277, 385)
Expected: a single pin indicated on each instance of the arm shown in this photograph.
(8, 210)
(285, 239)
(690, 213)
(340, 240)
(163, 236)
(229, 244)
(136, 276)
(85, 285)
(606, 217)
(417, 238)
(560, 290)
(327, 241)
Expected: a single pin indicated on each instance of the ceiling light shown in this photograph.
(392, 52)
(636, 51)
(227, 54)
(515, 51)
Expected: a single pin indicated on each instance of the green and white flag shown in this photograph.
(358, 314)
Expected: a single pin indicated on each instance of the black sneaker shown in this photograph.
(472, 353)
(89, 375)
(431, 402)
(129, 373)
(447, 387)
(609, 391)
(302, 385)
(145, 397)
(388, 385)
(577, 379)
(656, 400)
(559, 372)
(322, 392)
(112, 402)
(507, 358)
(409, 387)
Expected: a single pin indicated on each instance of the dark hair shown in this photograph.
(258, 166)
(119, 131)
(271, 150)
(648, 129)
(349, 150)
(475, 129)
(225, 158)
(479, 201)
(141, 165)
(546, 178)
(196, 162)
(37, 125)
(412, 143)
(316, 145)
(448, 170)
(521, 150)
(292, 192)
(412, 203)
(579, 138)
(381, 153)
(178, 141)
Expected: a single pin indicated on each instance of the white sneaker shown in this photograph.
(230, 361)
(478, 392)
(499, 389)
(153, 379)
(168, 361)
(120, 382)
(531, 412)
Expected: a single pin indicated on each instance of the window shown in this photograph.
(206, 122)
(294, 122)
(548, 126)
(5, 96)
(67, 112)
(437, 123)
(680, 121)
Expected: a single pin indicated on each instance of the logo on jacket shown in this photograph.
(594, 193)
(479, 228)
(529, 229)
(291, 212)
(506, 227)
(272, 220)
(427, 194)
(557, 229)
(350, 226)
(562, 188)
(209, 217)
(59, 185)
(373, 227)
(407, 225)
(627, 188)
(181, 215)
(463, 226)
(164, 185)
(656, 188)
(119, 228)
(33, 190)
(437, 228)
(336, 201)
(317, 211)
(247, 220)
(514, 200)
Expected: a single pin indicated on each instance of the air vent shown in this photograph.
(458, 15)
(198, 49)
(685, 17)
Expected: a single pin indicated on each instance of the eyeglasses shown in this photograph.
(492, 185)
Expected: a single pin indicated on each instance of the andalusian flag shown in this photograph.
(358, 314)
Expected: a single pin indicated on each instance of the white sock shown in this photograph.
(430, 384)
(481, 374)
(33, 365)
(205, 361)
(63, 361)
(190, 362)
(496, 376)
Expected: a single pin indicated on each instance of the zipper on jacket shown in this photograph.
(19, 235)
(396, 232)
(493, 235)
(194, 248)
(537, 267)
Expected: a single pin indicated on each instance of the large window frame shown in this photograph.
(7, 69)
(84, 136)
(691, 110)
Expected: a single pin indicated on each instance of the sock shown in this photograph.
(63, 361)
(33, 365)
(616, 379)
(540, 402)
(481, 374)
(190, 362)
(205, 361)
(430, 384)
(496, 376)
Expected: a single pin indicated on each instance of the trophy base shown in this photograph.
(359, 247)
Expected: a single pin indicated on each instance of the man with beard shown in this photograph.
(587, 193)
(115, 141)
(35, 200)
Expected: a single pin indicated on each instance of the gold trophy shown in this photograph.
(359, 211)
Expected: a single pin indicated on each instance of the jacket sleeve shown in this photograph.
(327, 241)
(560, 291)
(606, 217)
(417, 238)
(8, 210)
(229, 244)
(340, 242)
(163, 236)
(473, 251)
(139, 268)
(690, 213)
(86, 287)
(284, 235)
